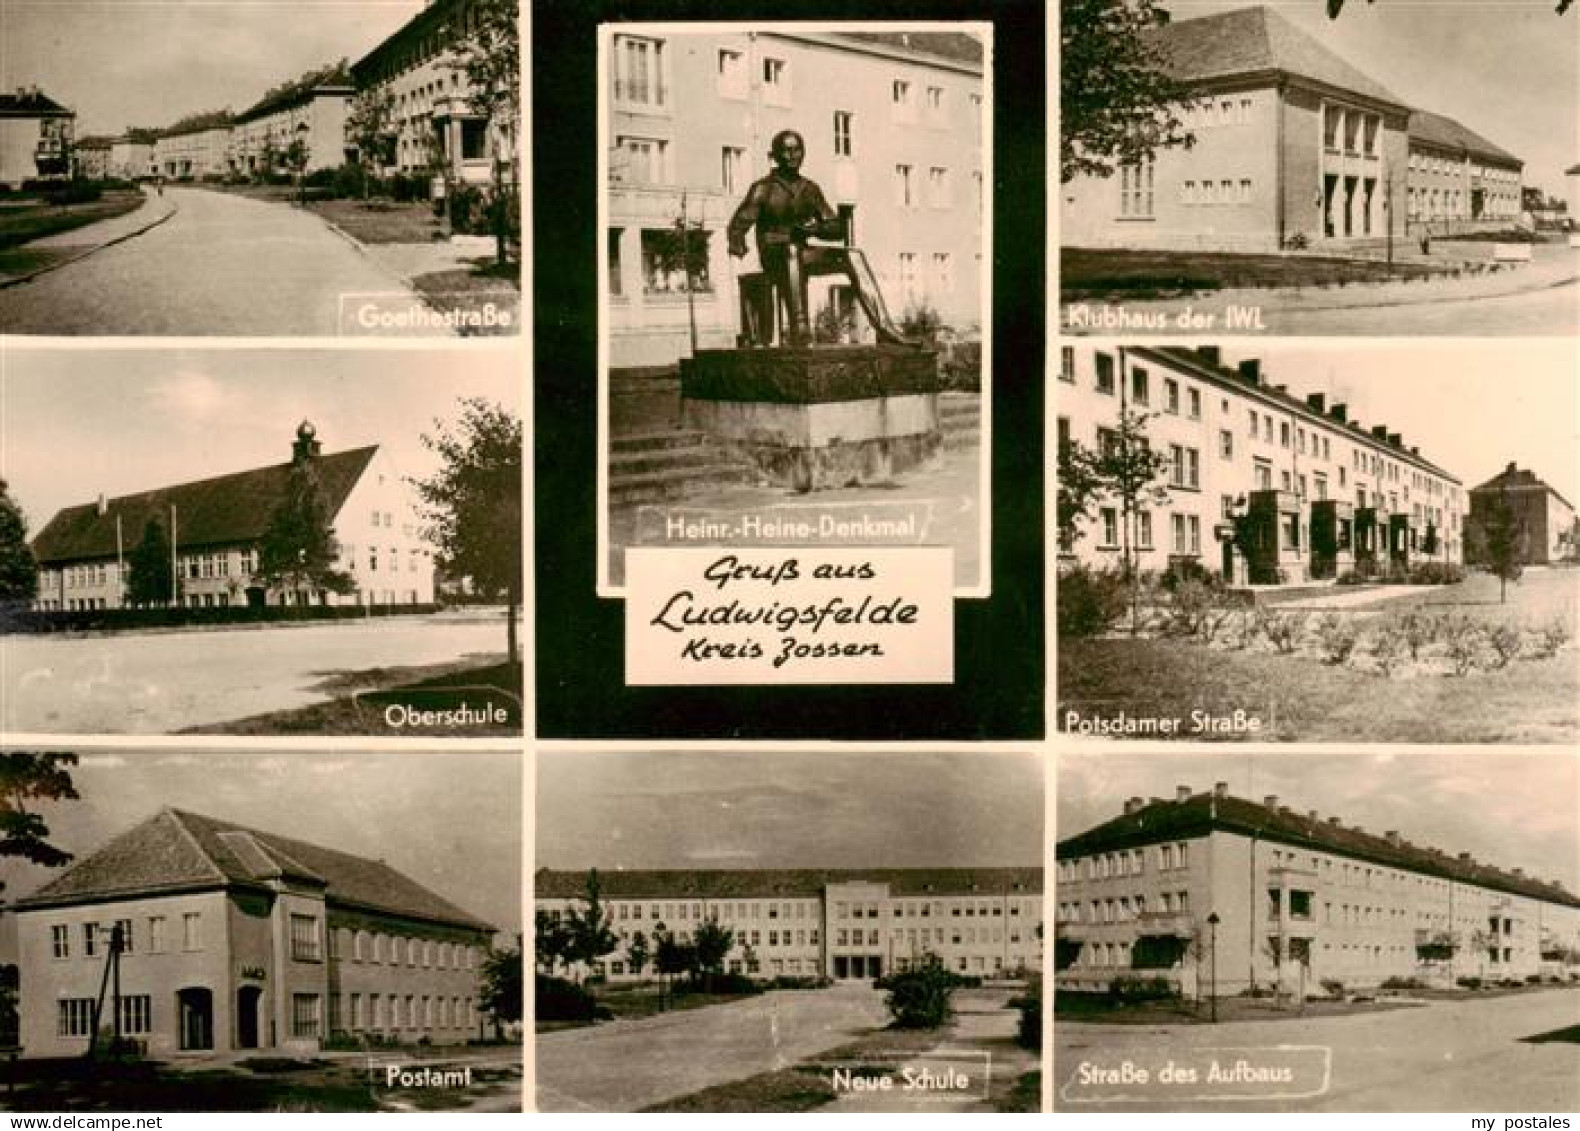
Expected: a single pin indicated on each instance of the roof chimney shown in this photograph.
(1316, 402)
(1340, 412)
(1380, 431)
(1133, 804)
(1395, 439)
(1512, 468)
(1271, 801)
(1251, 371)
(1335, 822)
(1520, 872)
(1182, 793)
(1313, 816)
(1392, 837)
(1465, 858)
(1414, 450)
(1210, 354)
(1220, 789)
(104, 506)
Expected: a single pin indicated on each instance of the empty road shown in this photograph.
(1463, 1055)
(222, 265)
(156, 683)
(629, 1065)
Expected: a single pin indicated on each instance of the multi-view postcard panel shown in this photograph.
(357, 177)
(780, 929)
(255, 542)
(1311, 172)
(1234, 932)
(1371, 543)
(245, 930)
(793, 289)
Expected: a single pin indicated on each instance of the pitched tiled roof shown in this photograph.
(1202, 813)
(176, 851)
(226, 510)
(32, 104)
(1436, 129)
(1514, 478)
(330, 77)
(956, 46)
(1252, 41)
(749, 883)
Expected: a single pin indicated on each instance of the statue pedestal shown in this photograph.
(816, 418)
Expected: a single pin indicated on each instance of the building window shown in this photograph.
(192, 931)
(137, 1015)
(1226, 443)
(1105, 373)
(1110, 520)
(646, 159)
(1171, 396)
(1245, 192)
(1067, 364)
(902, 101)
(306, 945)
(124, 926)
(74, 1017)
(936, 114)
(1139, 387)
(90, 940)
(60, 940)
(904, 190)
(1143, 539)
(1135, 190)
(305, 1015)
(844, 123)
(732, 73)
(639, 72)
(908, 280)
(939, 193)
(667, 253)
(1193, 399)
(1184, 467)
(943, 274)
(776, 82)
(732, 163)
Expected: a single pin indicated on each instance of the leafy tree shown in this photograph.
(711, 943)
(298, 550)
(296, 157)
(1117, 102)
(368, 127)
(473, 503)
(919, 998)
(487, 50)
(550, 941)
(1503, 542)
(1080, 487)
(503, 990)
(149, 576)
(27, 777)
(1130, 471)
(591, 937)
(638, 952)
(18, 569)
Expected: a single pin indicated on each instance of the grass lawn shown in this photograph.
(1118, 275)
(1094, 1008)
(1300, 699)
(361, 711)
(477, 290)
(1540, 595)
(25, 220)
(1017, 1094)
(380, 221)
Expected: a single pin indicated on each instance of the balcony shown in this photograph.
(1166, 924)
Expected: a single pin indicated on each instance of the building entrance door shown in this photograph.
(195, 1009)
(247, 999)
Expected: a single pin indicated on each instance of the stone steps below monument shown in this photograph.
(960, 417)
(658, 466)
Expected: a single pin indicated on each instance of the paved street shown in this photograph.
(629, 1065)
(1466, 1055)
(223, 265)
(156, 683)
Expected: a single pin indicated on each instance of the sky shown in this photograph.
(767, 808)
(450, 820)
(1470, 406)
(1510, 810)
(75, 423)
(1507, 69)
(121, 63)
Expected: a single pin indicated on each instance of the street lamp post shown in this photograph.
(1212, 966)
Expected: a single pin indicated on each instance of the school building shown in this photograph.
(1262, 484)
(844, 924)
(228, 938)
(1205, 885)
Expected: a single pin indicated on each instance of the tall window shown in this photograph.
(137, 1015)
(936, 114)
(904, 190)
(74, 1017)
(776, 82)
(639, 72)
(943, 273)
(1105, 373)
(908, 280)
(192, 931)
(939, 193)
(1067, 364)
(306, 945)
(732, 73)
(60, 940)
(732, 167)
(1140, 389)
(844, 123)
(902, 100)
(646, 159)
(1135, 190)
(305, 1015)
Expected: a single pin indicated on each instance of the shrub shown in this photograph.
(1504, 642)
(1397, 983)
(1090, 601)
(557, 999)
(1435, 573)
(1338, 636)
(1332, 987)
(800, 982)
(1028, 1032)
(1416, 631)
(1550, 637)
(1281, 630)
(719, 983)
(1187, 608)
(1130, 989)
(1469, 982)
(407, 187)
(1465, 642)
(466, 209)
(1533, 979)
(919, 998)
(320, 178)
(73, 192)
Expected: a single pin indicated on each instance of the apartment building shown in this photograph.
(215, 527)
(844, 924)
(132, 154)
(197, 146)
(1207, 885)
(92, 157)
(896, 136)
(1293, 147)
(311, 109)
(1543, 519)
(35, 137)
(228, 938)
(1262, 485)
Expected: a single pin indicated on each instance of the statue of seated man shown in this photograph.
(787, 210)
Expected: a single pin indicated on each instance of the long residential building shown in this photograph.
(1262, 485)
(215, 527)
(843, 924)
(196, 147)
(230, 938)
(895, 134)
(1291, 899)
(312, 110)
(1292, 147)
(1542, 520)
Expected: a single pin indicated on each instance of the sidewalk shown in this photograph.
(68, 247)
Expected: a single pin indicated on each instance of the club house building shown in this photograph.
(1319, 494)
(1293, 146)
(216, 526)
(1291, 899)
(233, 939)
(844, 924)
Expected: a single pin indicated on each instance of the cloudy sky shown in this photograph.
(1507, 69)
(1470, 406)
(449, 820)
(788, 809)
(1511, 810)
(122, 63)
(74, 423)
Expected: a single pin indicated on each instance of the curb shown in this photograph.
(5, 284)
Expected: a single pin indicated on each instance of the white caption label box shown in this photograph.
(792, 615)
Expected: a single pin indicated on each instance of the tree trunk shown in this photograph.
(511, 646)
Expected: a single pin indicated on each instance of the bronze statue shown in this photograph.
(788, 210)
